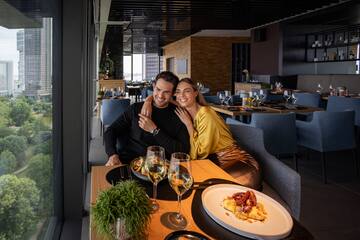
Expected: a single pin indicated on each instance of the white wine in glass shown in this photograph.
(155, 167)
(181, 180)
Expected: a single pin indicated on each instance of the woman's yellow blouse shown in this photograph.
(211, 134)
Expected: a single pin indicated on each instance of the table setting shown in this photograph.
(187, 197)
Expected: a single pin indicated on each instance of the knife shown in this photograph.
(202, 185)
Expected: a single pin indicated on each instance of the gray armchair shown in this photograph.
(307, 99)
(328, 132)
(337, 104)
(279, 131)
(282, 179)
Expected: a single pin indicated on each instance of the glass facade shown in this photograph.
(26, 122)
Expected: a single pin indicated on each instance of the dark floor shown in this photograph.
(328, 211)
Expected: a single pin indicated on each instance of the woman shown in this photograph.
(210, 138)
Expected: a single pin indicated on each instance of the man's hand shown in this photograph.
(146, 123)
(113, 160)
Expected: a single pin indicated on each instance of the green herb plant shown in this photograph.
(128, 201)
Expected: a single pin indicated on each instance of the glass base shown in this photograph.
(154, 205)
(177, 220)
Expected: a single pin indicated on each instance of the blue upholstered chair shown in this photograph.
(212, 99)
(269, 97)
(279, 132)
(236, 100)
(280, 182)
(328, 132)
(111, 109)
(337, 104)
(307, 99)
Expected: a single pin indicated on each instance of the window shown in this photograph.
(26, 120)
(137, 67)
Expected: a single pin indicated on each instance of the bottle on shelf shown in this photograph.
(325, 57)
(351, 55)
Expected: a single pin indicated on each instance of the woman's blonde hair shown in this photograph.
(199, 98)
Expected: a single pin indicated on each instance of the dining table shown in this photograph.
(202, 170)
(235, 111)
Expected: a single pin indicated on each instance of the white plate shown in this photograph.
(277, 225)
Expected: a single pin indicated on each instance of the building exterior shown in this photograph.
(151, 65)
(35, 54)
(6, 78)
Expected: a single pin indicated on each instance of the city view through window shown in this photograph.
(145, 66)
(26, 162)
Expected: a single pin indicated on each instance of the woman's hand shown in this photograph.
(184, 117)
(147, 107)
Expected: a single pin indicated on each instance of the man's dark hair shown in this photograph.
(168, 77)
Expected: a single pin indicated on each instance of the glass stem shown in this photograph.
(154, 191)
(179, 208)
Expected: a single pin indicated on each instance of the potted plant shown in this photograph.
(126, 201)
(100, 94)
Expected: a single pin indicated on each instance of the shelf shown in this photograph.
(335, 46)
(346, 60)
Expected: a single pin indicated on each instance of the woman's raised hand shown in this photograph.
(147, 107)
(184, 117)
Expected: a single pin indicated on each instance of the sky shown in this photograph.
(8, 51)
(137, 65)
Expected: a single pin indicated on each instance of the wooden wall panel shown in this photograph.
(179, 50)
(266, 56)
(209, 59)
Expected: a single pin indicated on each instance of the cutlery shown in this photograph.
(202, 185)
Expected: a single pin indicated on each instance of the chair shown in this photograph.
(212, 99)
(111, 109)
(307, 99)
(269, 97)
(279, 132)
(327, 132)
(337, 104)
(236, 100)
(280, 180)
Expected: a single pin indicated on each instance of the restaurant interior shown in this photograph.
(282, 77)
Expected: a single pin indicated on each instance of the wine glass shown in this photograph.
(261, 96)
(221, 96)
(293, 98)
(287, 96)
(155, 167)
(180, 180)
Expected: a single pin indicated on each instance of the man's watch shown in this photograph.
(155, 131)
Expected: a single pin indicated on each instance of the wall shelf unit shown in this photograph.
(335, 45)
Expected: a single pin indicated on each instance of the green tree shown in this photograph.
(4, 113)
(41, 163)
(44, 148)
(19, 199)
(20, 112)
(7, 162)
(6, 131)
(27, 130)
(15, 144)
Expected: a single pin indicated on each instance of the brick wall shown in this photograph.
(209, 59)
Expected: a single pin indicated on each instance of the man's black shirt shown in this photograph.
(173, 135)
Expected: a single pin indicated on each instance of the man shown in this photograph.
(164, 128)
